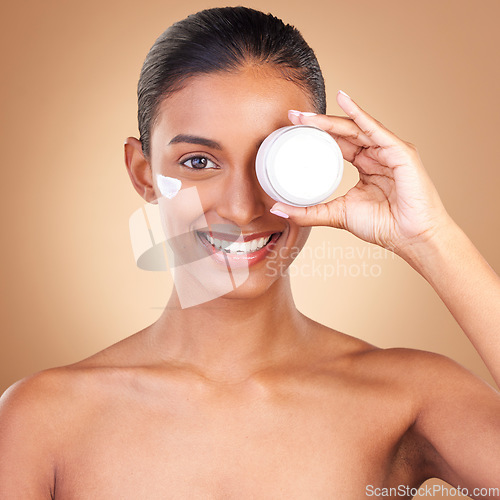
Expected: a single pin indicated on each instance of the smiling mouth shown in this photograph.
(248, 246)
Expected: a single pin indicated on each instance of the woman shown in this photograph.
(239, 395)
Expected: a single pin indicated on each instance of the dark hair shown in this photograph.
(223, 39)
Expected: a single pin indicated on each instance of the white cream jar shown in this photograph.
(299, 165)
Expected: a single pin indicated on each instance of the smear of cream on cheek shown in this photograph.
(168, 186)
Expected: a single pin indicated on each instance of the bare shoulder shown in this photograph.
(38, 392)
(31, 426)
(38, 400)
(456, 412)
(44, 415)
(444, 387)
(426, 372)
(59, 396)
(430, 378)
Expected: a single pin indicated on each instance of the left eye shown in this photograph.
(199, 163)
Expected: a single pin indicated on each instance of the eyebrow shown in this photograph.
(193, 139)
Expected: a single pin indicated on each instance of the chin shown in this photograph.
(255, 287)
(216, 289)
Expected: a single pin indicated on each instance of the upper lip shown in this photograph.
(237, 236)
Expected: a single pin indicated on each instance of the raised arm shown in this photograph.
(468, 286)
(395, 205)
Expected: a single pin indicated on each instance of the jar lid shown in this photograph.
(299, 165)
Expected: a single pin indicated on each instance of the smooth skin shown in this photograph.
(244, 397)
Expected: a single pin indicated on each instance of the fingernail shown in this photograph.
(279, 213)
(301, 113)
(343, 93)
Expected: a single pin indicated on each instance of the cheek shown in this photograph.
(301, 238)
(208, 193)
(296, 240)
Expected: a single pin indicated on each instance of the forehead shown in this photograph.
(252, 98)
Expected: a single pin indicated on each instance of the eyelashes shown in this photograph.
(199, 162)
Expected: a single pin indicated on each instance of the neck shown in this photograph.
(229, 339)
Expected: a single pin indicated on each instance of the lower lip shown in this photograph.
(242, 259)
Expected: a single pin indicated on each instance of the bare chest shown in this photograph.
(298, 446)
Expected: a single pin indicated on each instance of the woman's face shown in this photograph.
(207, 136)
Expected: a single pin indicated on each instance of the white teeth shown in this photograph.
(237, 246)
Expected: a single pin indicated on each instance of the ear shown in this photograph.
(139, 169)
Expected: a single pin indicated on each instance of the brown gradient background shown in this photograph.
(428, 70)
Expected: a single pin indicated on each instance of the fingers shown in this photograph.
(349, 151)
(360, 128)
(337, 126)
(370, 127)
(332, 213)
(346, 133)
(356, 147)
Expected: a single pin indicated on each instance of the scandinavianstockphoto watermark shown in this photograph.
(327, 261)
(430, 490)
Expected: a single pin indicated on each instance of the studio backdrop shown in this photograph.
(428, 70)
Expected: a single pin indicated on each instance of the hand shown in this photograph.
(394, 204)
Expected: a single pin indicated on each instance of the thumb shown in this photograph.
(331, 214)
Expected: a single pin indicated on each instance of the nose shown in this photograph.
(242, 199)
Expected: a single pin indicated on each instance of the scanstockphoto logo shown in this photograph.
(430, 490)
(329, 260)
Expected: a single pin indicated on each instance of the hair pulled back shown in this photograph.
(223, 39)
